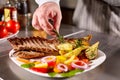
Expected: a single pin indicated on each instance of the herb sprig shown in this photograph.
(60, 37)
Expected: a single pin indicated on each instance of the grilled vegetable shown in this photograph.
(76, 51)
(65, 46)
(92, 51)
(71, 59)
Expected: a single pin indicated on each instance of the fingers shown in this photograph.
(57, 21)
(41, 22)
(43, 14)
(46, 26)
(35, 22)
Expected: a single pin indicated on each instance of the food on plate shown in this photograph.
(34, 45)
(92, 51)
(53, 57)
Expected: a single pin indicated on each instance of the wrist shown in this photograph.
(41, 2)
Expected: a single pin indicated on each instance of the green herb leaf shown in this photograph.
(71, 73)
(29, 65)
(78, 43)
(60, 37)
(52, 74)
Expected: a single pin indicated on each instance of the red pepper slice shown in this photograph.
(51, 64)
(43, 70)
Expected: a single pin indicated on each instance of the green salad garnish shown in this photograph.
(28, 65)
(66, 74)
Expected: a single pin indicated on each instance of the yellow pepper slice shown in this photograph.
(60, 59)
(67, 62)
(41, 65)
(23, 60)
(56, 70)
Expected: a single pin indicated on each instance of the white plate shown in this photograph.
(96, 62)
(9, 36)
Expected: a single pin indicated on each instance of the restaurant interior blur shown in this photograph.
(67, 8)
(26, 8)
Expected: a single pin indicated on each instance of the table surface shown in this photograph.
(109, 70)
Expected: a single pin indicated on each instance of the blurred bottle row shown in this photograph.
(14, 9)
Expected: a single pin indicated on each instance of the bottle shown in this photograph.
(10, 12)
(24, 7)
(23, 13)
(17, 5)
(1, 13)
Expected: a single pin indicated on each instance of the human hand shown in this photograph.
(44, 13)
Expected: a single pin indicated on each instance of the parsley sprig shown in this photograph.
(60, 37)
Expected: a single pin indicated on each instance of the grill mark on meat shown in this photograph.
(46, 45)
(32, 43)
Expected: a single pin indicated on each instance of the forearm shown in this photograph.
(40, 2)
(113, 2)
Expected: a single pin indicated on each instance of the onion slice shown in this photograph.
(48, 59)
(62, 67)
(79, 65)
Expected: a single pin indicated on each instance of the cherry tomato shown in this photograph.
(43, 70)
(12, 26)
(3, 31)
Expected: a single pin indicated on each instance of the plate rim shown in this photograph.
(11, 35)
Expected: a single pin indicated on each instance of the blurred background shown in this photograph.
(94, 15)
(28, 7)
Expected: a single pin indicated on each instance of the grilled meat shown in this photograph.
(28, 54)
(33, 47)
(33, 44)
(31, 54)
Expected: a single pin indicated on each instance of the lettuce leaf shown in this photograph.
(29, 65)
(52, 74)
(66, 74)
(71, 73)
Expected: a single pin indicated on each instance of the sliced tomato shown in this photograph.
(43, 70)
